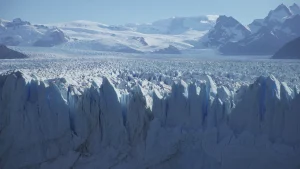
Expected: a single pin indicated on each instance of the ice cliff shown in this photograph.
(48, 124)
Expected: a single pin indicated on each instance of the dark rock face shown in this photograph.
(227, 29)
(292, 25)
(289, 51)
(17, 22)
(269, 34)
(169, 50)
(256, 25)
(6, 53)
(264, 42)
(141, 40)
(295, 9)
(275, 17)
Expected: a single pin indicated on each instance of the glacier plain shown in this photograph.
(121, 111)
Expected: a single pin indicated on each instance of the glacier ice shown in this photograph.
(43, 125)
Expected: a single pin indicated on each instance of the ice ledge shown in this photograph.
(98, 127)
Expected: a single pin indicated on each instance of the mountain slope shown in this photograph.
(176, 25)
(227, 29)
(278, 15)
(169, 50)
(88, 35)
(267, 35)
(290, 50)
(6, 53)
(264, 42)
(256, 25)
(23, 33)
(295, 9)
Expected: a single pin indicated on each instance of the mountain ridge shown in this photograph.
(220, 32)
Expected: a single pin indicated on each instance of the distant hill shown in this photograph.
(291, 50)
(6, 53)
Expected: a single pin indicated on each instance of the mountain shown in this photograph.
(86, 35)
(277, 16)
(290, 50)
(261, 37)
(295, 9)
(291, 26)
(264, 42)
(51, 38)
(23, 33)
(227, 29)
(268, 34)
(176, 25)
(6, 53)
(256, 25)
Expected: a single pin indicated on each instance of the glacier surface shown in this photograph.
(98, 110)
(53, 124)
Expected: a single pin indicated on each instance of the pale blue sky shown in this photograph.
(132, 11)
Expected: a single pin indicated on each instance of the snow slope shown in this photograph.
(176, 25)
(95, 36)
(23, 33)
(86, 35)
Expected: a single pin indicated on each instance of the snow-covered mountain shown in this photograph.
(176, 25)
(275, 17)
(23, 33)
(51, 38)
(100, 37)
(269, 34)
(227, 29)
(88, 35)
(263, 42)
(183, 33)
(278, 15)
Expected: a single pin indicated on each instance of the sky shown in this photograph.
(117, 12)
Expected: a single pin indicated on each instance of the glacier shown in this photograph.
(46, 124)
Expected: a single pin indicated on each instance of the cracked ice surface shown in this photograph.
(127, 71)
(119, 113)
